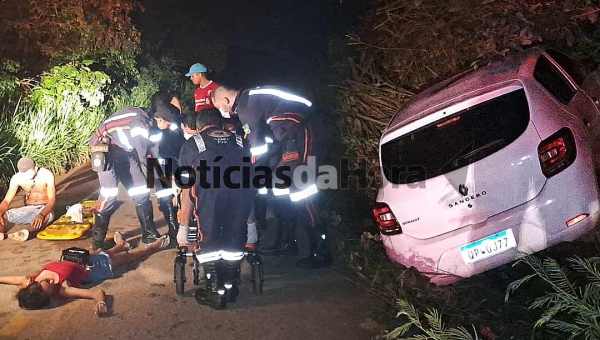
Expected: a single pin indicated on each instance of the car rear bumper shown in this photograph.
(530, 239)
(440, 258)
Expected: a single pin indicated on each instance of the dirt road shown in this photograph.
(296, 304)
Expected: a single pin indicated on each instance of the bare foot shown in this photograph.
(2, 236)
(161, 243)
(21, 235)
(119, 239)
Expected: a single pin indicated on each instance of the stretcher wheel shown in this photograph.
(257, 278)
(179, 276)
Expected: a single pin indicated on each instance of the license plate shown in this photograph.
(488, 247)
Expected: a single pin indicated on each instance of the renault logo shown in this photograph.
(463, 190)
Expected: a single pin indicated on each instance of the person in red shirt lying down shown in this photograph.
(62, 279)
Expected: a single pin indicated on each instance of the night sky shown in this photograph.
(280, 42)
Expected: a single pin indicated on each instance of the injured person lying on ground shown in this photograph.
(62, 279)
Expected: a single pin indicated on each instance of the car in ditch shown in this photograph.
(491, 163)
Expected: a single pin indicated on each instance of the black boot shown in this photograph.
(231, 278)
(319, 255)
(170, 214)
(285, 243)
(146, 217)
(213, 295)
(100, 230)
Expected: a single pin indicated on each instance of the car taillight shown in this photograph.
(577, 219)
(557, 152)
(388, 225)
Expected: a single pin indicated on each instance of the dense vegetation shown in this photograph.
(404, 46)
(66, 64)
(401, 48)
(74, 63)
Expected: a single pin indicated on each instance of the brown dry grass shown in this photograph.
(404, 46)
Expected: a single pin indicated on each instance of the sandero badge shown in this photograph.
(467, 199)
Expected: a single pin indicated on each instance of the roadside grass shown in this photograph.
(8, 155)
(538, 307)
(56, 137)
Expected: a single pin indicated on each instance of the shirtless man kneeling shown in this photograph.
(40, 197)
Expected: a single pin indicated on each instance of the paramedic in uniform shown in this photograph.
(167, 139)
(220, 205)
(126, 133)
(188, 126)
(279, 133)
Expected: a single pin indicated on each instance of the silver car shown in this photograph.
(490, 163)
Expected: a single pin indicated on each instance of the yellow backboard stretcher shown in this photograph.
(65, 229)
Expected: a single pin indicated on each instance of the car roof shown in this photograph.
(461, 87)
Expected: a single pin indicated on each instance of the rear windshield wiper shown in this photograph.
(472, 153)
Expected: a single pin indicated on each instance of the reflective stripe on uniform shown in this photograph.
(231, 255)
(281, 94)
(123, 139)
(208, 257)
(140, 190)
(259, 150)
(139, 131)
(221, 254)
(281, 192)
(109, 192)
(300, 195)
(155, 138)
(125, 115)
(164, 193)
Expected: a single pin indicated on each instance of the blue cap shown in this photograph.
(196, 68)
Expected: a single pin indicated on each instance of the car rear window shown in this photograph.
(457, 141)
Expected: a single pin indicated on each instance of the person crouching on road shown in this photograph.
(217, 198)
(119, 148)
(167, 139)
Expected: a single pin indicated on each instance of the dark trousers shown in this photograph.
(222, 214)
(124, 168)
(294, 152)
